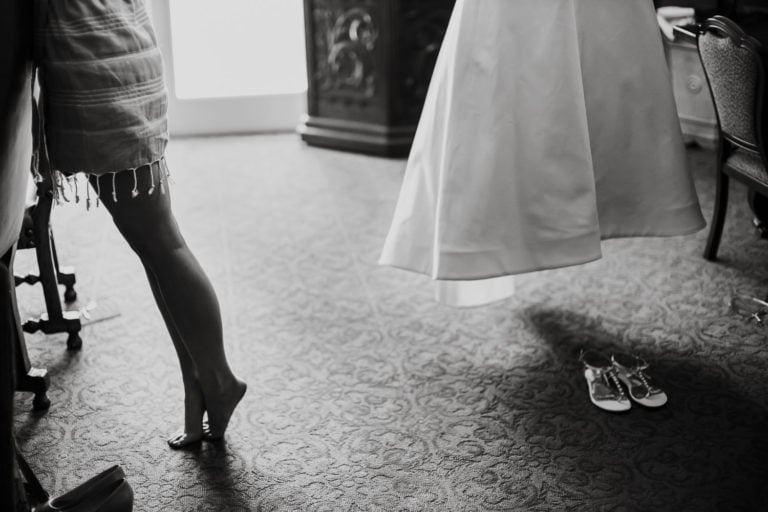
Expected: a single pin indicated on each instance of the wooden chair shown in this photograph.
(36, 234)
(734, 64)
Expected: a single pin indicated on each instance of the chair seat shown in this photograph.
(748, 163)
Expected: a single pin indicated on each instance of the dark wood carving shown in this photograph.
(345, 42)
(369, 65)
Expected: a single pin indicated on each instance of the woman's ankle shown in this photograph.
(220, 382)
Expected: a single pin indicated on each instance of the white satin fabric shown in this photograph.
(549, 125)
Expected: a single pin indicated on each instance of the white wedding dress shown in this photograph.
(549, 125)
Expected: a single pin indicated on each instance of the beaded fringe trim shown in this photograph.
(67, 187)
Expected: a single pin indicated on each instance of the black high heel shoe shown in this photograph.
(115, 497)
(108, 491)
(103, 493)
(81, 493)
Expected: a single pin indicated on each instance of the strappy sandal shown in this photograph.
(752, 307)
(630, 371)
(605, 391)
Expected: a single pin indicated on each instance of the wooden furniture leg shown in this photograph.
(36, 233)
(7, 458)
(28, 378)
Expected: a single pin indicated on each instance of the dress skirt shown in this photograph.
(549, 125)
(103, 95)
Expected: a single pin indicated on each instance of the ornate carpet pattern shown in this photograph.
(366, 395)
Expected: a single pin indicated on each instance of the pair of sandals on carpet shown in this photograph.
(609, 377)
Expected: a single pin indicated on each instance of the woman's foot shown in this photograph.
(182, 440)
(194, 408)
(220, 410)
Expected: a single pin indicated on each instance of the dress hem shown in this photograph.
(66, 183)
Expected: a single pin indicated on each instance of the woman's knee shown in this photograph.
(150, 237)
(145, 220)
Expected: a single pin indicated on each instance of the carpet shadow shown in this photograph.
(222, 478)
(704, 450)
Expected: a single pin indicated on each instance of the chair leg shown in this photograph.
(33, 380)
(57, 320)
(50, 274)
(758, 203)
(718, 215)
(27, 378)
(7, 473)
(64, 275)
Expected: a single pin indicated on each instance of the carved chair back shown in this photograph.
(734, 64)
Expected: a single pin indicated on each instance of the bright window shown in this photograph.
(242, 48)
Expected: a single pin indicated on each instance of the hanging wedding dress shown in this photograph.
(549, 125)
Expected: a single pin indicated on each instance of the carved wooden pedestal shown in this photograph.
(369, 63)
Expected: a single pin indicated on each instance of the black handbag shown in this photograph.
(108, 491)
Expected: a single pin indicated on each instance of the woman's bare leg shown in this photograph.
(184, 295)
(194, 404)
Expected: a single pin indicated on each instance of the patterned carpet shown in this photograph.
(366, 395)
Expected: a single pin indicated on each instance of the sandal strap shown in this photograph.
(609, 379)
(645, 382)
(613, 381)
(638, 379)
(607, 373)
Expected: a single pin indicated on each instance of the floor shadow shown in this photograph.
(223, 479)
(704, 450)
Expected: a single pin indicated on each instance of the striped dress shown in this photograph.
(103, 97)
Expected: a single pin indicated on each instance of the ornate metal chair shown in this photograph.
(734, 64)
